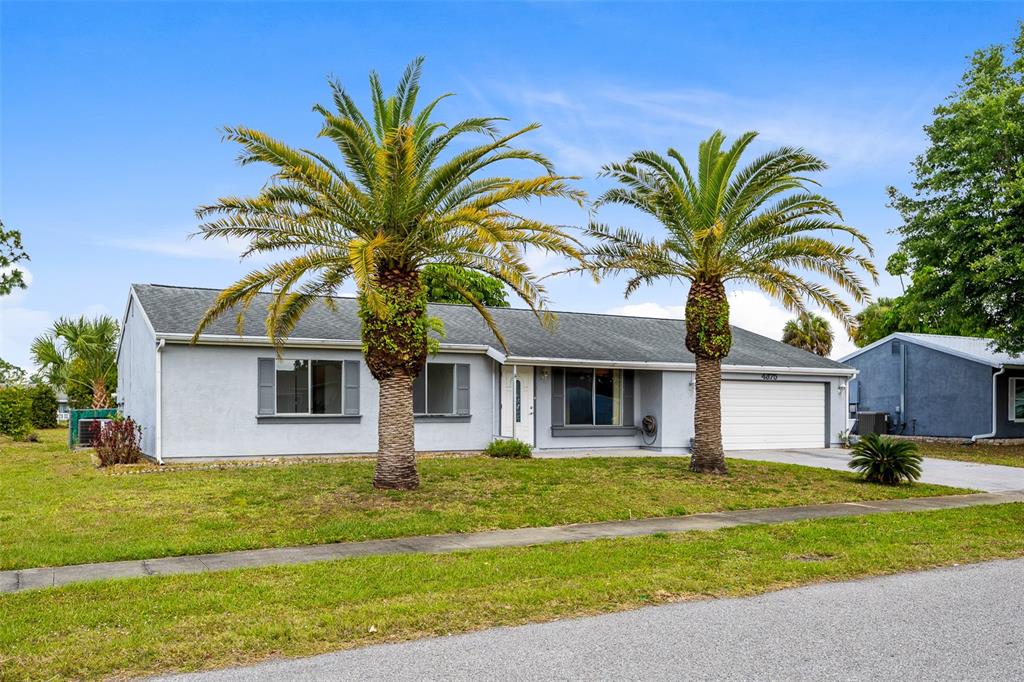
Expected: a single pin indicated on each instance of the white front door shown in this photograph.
(773, 414)
(517, 402)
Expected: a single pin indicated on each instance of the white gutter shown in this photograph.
(995, 415)
(157, 435)
(681, 366)
(301, 342)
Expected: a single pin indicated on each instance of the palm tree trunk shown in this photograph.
(100, 397)
(708, 455)
(396, 450)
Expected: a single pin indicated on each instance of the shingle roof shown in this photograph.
(969, 347)
(578, 336)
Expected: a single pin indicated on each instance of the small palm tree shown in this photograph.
(756, 226)
(886, 460)
(399, 200)
(80, 353)
(810, 332)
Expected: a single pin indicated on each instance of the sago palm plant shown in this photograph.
(810, 332)
(886, 460)
(405, 191)
(757, 225)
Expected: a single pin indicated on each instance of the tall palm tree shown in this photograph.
(402, 197)
(80, 353)
(810, 332)
(756, 225)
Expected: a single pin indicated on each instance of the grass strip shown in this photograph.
(139, 626)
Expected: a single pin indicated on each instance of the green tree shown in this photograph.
(963, 221)
(452, 284)
(11, 375)
(11, 253)
(755, 225)
(80, 354)
(408, 192)
(44, 406)
(810, 332)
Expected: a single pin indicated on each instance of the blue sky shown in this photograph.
(110, 114)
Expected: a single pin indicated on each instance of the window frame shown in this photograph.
(309, 388)
(1015, 384)
(425, 376)
(593, 398)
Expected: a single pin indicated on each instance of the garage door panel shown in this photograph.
(772, 415)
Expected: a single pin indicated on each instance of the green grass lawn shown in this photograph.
(58, 509)
(147, 625)
(1007, 455)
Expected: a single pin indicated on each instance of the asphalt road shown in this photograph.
(962, 623)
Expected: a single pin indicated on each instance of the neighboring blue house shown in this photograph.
(934, 385)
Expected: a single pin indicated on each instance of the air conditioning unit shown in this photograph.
(872, 422)
(89, 431)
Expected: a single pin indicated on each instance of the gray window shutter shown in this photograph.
(461, 388)
(267, 396)
(351, 387)
(557, 396)
(627, 397)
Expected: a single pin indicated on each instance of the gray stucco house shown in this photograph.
(587, 384)
(944, 386)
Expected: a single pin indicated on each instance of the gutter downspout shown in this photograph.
(995, 417)
(158, 447)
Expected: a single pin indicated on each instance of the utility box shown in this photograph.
(872, 422)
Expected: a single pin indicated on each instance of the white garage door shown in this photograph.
(772, 414)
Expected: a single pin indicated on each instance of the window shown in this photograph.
(1017, 399)
(442, 388)
(308, 387)
(593, 397)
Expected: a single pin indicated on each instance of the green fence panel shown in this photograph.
(76, 415)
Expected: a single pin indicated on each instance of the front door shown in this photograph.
(517, 402)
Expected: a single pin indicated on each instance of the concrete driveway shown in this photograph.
(990, 478)
(952, 624)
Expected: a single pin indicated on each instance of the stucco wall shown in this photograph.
(946, 396)
(543, 435)
(676, 423)
(136, 376)
(210, 406)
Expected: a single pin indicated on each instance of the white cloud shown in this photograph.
(19, 325)
(748, 309)
(183, 247)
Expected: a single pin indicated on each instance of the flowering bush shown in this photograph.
(119, 442)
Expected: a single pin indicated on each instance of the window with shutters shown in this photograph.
(442, 388)
(304, 386)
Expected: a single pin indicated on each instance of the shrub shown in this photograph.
(119, 442)
(886, 460)
(44, 406)
(15, 412)
(515, 449)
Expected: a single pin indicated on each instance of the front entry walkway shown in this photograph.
(988, 477)
(28, 578)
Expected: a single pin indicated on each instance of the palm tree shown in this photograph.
(755, 226)
(399, 199)
(810, 332)
(80, 353)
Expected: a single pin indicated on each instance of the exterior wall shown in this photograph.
(946, 396)
(1005, 427)
(136, 376)
(677, 399)
(210, 408)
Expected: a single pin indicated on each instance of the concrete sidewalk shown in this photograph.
(29, 578)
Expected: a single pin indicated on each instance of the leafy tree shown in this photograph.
(80, 355)
(15, 412)
(44, 406)
(402, 197)
(446, 284)
(11, 253)
(963, 222)
(11, 375)
(756, 225)
(810, 332)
